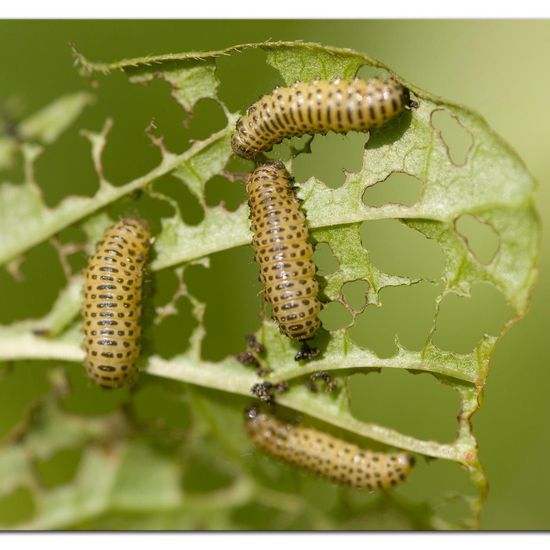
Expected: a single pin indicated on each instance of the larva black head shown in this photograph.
(240, 146)
(410, 103)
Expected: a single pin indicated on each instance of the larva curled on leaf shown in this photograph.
(326, 455)
(284, 253)
(112, 303)
(318, 107)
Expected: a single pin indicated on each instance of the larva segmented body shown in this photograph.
(283, 251)
(112, 303)
(326, 455)
(317, 107)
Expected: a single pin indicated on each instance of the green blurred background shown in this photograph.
(498, 68)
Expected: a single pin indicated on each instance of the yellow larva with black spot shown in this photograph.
(326, 455)
(112, 303)
(318, 107)
(283, 251)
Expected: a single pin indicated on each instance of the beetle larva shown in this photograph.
(112, 303)
(317, 107)
(323, 454)
(283, 252)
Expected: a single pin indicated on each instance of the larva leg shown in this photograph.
(306, 353)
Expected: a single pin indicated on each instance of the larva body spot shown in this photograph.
(283, 251)
(323, 454)
(112, 303)
(318, 107)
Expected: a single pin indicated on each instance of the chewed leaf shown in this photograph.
(191, 82)
(490, 184)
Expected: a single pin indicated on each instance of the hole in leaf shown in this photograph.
(65, 168)
(416, 405)
(16, 507)
(77, 262)
(171, 336)
(406, 312)
(207, 118)
(166, 284)
(20, 388)
(456, 138)
(59, 469)
(355, 294)
(245, 77)
(400, 250)
(33, 296)
(330, 155)
(11, 115)
(397, 188)
(191, 210)
(231, 291)
(335, 316)
(238, 165)
(156, 103)
(297, 146)
(221, 191)
(482, 240)
(72, 234)
(129, 153)
(324, 259)
(462, 322)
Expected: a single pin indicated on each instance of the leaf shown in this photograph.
(492, 185)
